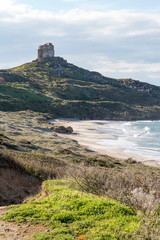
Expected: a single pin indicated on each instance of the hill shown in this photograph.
(65, 90)
(30, 152)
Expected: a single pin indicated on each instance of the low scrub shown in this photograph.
(137, 188)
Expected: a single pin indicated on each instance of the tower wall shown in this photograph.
(45, 51)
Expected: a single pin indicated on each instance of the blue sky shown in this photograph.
(54, 5)
(118, 38)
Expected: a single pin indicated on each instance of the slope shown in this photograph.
(65, 90)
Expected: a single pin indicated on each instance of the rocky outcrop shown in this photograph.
(62, 129)
(2, 81)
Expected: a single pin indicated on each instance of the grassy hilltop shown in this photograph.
(65, 90)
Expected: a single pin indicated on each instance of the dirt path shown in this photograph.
(17, 231)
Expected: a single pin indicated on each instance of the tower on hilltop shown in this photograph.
(45, 51)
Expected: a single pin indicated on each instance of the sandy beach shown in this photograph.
(85, 132)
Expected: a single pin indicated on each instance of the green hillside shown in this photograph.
(65, 90)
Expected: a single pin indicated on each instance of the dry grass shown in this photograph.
(138, 188)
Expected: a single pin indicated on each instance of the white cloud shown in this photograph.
(94, 24)
(11, 11)
(105, 65)
(119, 41)
(10, 7)
(155, 76)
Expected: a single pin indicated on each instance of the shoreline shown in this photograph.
(85, 132)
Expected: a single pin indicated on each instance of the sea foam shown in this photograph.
(140, 137)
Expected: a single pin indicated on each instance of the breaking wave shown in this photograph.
(140, 137)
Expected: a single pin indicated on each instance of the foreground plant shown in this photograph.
(73, 214)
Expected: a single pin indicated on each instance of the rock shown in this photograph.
(2, 81)
(62, 129)
(24, 141)
(69, 129)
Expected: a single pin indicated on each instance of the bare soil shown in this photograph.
(16, 186)
(18, 231)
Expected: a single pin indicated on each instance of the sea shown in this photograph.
(139, 137)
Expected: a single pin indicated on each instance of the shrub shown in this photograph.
(137, 189)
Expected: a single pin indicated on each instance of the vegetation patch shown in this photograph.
(73, 214)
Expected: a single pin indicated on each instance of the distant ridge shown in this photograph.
(64, 90)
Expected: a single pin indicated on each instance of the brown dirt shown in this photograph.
(18, 231)
(15, 186)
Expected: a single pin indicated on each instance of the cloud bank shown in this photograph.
(118, 43)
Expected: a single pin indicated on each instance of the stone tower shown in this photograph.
(45, 51)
